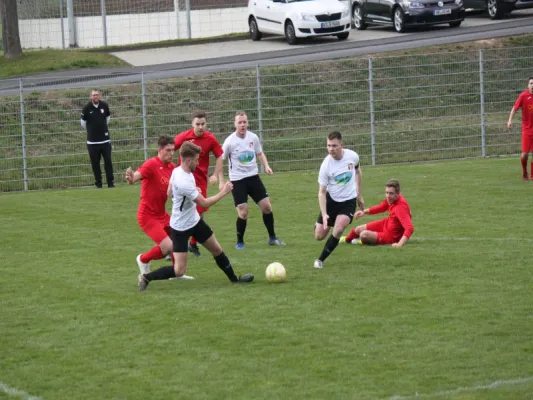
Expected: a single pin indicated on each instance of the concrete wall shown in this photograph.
(132, 28)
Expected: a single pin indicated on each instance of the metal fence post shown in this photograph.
(23, 132)
(104, 20)
(482, 105)
(62, 27)
(259, 114)
(188, 9)
(177, 11)
(372, 120)
(71, 24)
(145, 129)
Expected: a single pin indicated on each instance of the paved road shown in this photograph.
(203, 59)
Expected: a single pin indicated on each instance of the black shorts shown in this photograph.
(251, 186)
(180, 239)
(334, 208)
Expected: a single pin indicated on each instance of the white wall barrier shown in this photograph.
(133, 28)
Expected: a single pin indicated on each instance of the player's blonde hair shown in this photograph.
(189, 150)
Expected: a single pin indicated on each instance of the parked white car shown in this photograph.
(298, 19)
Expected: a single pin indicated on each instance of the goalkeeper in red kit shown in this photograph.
(525, 102)
(396, 229)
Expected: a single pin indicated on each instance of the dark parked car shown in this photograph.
(495, 8)
(404, 13)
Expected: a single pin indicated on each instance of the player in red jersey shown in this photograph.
(152, 216)
(396, 229)
(209, 144)
(525, 102)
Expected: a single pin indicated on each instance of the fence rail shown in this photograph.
(390, 110)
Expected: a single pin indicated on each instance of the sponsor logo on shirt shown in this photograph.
(344, 178)
(246, 157)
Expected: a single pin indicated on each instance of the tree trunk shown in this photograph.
(10, 29)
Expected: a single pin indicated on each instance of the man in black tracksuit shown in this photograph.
(95, 117)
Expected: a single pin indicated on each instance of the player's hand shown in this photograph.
(361, 202)
(325, 219)
(269, 171)
(509, 124)
(396, 245)
(129, 175)
(359, 214)
(212, 180)
(228, 187)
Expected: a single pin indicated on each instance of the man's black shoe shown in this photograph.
(111, 185)
(193, 248)
(246, 278)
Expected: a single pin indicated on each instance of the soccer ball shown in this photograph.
(275, 272)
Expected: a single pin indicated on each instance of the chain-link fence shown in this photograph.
(389, 109)
(81, 23)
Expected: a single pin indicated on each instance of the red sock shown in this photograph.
(352, 235)
(523, 161)
(154, 254)
(193, 240)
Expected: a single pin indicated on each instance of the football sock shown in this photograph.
(154, 254)
(330, 245)
(523, 161)
(193, 241)
(160, 274)
(241, 228)
(268, 219)
(351, 236)
(225, 265)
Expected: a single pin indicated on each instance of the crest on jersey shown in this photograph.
(102, 110)
(251, 144)
(350, 167)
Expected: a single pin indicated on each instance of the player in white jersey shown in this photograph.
(186, 222)
(340, 190)
(242, 148)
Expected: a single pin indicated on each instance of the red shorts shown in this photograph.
(384, 237)
(156, 228)
(527, 143)
(203, 189)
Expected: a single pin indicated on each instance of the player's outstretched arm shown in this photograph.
(131, 176)
(210, 201)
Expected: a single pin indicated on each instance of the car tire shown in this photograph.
(290, 33)
(255, 35)
(455, 24)
(398, 18)
(358, 19)
(343, 35)
(496, 9)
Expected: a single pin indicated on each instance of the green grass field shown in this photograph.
(446, 317)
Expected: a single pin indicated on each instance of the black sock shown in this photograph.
(268, 219)
(241, 228)
(330, 245)
(160, 274)
(225, 265)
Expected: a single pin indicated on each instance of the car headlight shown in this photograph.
(345, 14)
(414, 4)
(307, 17)
(459, 2)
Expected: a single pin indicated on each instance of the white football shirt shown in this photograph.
(184, 215)
(338, 176)
(241, 153)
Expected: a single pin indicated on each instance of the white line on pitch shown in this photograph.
(490, 386)
(15, 392)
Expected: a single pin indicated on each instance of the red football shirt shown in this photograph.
(525, 102)
(399, 221)
(156, 175)
(209, 144)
